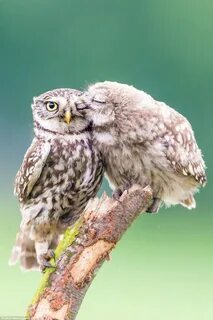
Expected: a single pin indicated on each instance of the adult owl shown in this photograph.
(144, 141)
(60, 172)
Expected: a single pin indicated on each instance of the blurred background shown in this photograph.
(162, 268)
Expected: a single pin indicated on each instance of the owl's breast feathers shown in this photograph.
(66, 173)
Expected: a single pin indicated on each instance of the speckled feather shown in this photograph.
(60, 172)
(144, 141)
(31, 169)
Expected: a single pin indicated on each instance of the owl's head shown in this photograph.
(105, 102)
(56, 111)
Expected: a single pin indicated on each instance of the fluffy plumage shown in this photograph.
(60, 172)
(144, 141)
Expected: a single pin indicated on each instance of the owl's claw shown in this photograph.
(50, 254)
(155, 206)
(45, 265)
(117, 193)
(45, 260)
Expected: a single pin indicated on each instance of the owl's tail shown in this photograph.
(24, 252)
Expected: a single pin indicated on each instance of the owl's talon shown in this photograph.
(45, 260)
(155, 206)
(46, 264)
(117, 194)
(50, 254)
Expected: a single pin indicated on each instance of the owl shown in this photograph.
(60, 172)
(144, 141)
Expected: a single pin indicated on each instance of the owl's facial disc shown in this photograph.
(58, 114)
(53, 107)
(96, 107)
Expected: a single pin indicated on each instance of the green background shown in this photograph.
(162, 268)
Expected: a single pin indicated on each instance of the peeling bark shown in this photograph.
(82, 251)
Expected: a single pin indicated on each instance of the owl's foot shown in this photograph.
(45, 260)
(117, 193)
(155, 206)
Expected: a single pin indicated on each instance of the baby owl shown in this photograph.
(144, 141)
(60, 172)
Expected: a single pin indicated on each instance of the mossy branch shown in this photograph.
(82, 251)
(67, 241)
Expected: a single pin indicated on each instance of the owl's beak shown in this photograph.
(67, 117)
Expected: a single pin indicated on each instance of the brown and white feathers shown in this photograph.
(60, 172)
(144, 141)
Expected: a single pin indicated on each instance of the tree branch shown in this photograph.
(82, 251)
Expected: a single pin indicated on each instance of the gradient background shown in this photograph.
(163, 267)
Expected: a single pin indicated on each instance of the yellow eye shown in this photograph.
(51, 106)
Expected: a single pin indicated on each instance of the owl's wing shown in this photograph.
(31, 168)
(182, 151)
(164, 126)
(187, 160)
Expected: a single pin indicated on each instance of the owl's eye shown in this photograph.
(51, 106)
(99, 98)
